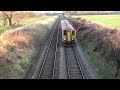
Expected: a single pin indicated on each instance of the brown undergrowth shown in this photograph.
(18, 47)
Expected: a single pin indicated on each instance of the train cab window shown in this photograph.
(73, 32)
(65, 32)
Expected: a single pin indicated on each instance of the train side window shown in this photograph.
(65, 32)
(73, 32)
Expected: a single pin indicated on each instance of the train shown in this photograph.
(66, 14)
(68, 32)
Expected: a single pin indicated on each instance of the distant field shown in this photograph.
(106, 20)
(33, 20)
(25, 21)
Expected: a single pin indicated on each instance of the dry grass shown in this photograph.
(18, 47)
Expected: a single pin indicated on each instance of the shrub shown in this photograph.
(105, 40)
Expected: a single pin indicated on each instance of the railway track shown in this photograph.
(48, 67)
(56, 62)
(74, 69)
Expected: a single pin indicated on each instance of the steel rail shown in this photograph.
(47, 51)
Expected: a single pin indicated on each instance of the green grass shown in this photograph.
(2, 30)
(105, 70)
(1, 22)
(108, 20)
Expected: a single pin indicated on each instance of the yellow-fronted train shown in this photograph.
(68, 33)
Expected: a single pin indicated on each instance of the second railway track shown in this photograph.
(48, 68)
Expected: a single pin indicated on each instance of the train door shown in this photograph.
(69, 37)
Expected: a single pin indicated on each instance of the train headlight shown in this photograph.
(73, 39)
(64, 39)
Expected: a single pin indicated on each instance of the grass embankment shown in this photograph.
(1, 29)
(101, 45)
(104, 69)
(17, 47)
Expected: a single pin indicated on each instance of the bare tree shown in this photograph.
(5, 20)
(8, 15)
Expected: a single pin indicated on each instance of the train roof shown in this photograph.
(66, 25)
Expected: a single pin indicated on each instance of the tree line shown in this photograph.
(93, 12)
(7, 16)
